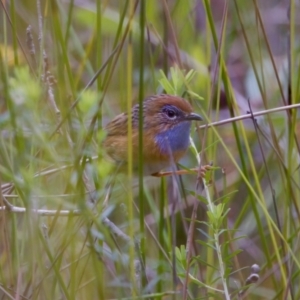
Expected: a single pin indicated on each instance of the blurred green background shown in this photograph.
(79, 64)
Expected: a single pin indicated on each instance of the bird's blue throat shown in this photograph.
(174, 139)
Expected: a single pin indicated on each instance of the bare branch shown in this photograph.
(249, 116)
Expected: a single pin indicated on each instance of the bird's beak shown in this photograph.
(193, 117)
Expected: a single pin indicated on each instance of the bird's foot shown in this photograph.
(203, 170)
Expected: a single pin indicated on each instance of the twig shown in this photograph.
(42, 212)
(249, 116)
(116, 230)
(30, 45)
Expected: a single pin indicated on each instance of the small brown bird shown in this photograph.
(166, 130)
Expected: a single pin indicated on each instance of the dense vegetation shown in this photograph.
(73, 227)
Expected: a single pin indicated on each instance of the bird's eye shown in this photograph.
(170, 113)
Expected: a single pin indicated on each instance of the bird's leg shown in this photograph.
(203, 170)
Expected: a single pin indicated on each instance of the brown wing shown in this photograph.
(118, 126)
(116, 141)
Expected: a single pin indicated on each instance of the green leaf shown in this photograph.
(205, 263)
(194, 95)
(231, 255)
(206, 244)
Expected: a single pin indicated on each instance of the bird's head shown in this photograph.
(163, 111)
(167, 119)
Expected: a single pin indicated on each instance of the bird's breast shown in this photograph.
(160, 150)
(175, 139)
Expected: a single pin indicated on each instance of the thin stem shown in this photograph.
(249, 116)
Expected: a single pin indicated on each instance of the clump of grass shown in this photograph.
(66, 232)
